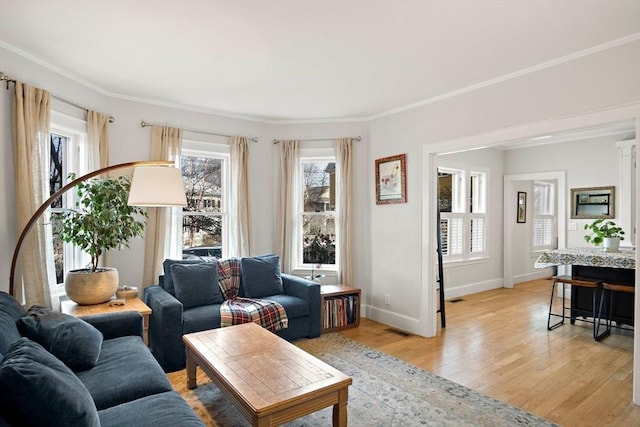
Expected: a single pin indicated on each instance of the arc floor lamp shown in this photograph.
(155, 183)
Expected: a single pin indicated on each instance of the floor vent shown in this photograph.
(456, 300)
(398, 332)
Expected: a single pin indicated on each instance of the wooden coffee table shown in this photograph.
(268, 379)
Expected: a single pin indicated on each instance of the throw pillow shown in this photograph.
(37, 389)
(261, 276)
(196, 284)
(72, 340)
(167, 280)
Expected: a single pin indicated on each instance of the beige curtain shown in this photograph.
(97, 140)
(239, 209)
(344, 177)
(287, 213)
(163, 227)
(35, 274)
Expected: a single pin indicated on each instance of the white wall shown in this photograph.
(588, 163)
(604, 80)
(464, 278)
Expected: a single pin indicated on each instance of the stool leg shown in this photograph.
(553, 292)
(597, 335)
(593, 311)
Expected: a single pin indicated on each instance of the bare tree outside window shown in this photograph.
(318, 217)
(56, 181)
(202, 217)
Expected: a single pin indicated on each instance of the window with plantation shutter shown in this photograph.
(543, 230)
(462, 203)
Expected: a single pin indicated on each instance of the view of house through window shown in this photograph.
(318, 208)
(203, 219)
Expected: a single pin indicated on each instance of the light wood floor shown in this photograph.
(497, 342)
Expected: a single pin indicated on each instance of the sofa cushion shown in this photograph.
(201, 318)
(163, 409)
(72, 340)
(261, 276)
(39, 389)
(126, 371)
(196, 284)
(294, 306)
(10, 311)
(167, 280)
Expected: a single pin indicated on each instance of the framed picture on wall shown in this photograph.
(522, 207)
(391, 180)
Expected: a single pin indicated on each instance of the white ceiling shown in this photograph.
(284, 61)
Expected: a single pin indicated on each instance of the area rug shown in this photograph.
(385, 392)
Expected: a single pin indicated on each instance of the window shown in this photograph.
(544, 227)
(462, 203)
(204, 219)
(317, 210)
(68, 155)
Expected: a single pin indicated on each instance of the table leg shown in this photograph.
(191, 371)
(340, 409)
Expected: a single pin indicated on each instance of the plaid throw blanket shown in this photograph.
(235, 310)
(229, 277)
(268, 314)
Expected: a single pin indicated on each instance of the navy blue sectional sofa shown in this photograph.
(61, 371)
(170, 318)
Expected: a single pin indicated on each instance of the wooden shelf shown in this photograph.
(340, 306)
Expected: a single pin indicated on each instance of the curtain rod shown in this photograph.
(4, 77)
(147, 124)
(277, 141)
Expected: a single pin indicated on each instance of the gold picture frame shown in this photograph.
(593, 202)
(391, 180)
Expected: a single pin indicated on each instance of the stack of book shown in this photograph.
(340, 311)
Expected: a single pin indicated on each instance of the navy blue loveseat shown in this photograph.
(170, 318)
(117, 382)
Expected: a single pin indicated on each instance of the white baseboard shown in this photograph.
(472, 288)
(540, 274)
(395, 320)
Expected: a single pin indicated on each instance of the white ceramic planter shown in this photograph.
(611, 244)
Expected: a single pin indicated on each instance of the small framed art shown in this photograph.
(522, 207)
(391, 180)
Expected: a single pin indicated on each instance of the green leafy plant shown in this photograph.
(602, 228)
(102, 220)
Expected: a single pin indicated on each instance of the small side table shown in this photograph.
(132, 304)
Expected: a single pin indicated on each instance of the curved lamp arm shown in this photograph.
(63, 190)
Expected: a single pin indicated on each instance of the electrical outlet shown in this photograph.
(573, 226)
(387, 299)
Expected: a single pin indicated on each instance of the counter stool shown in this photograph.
(609, 291)
(568, 280)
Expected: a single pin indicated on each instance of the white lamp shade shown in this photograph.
(156, 186)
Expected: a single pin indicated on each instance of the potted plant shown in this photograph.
(100, 221)
(604, 232)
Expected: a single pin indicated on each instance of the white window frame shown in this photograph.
(75, 161)
(311, 155)
(461, 212)
(195, 148)
(544, 217)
